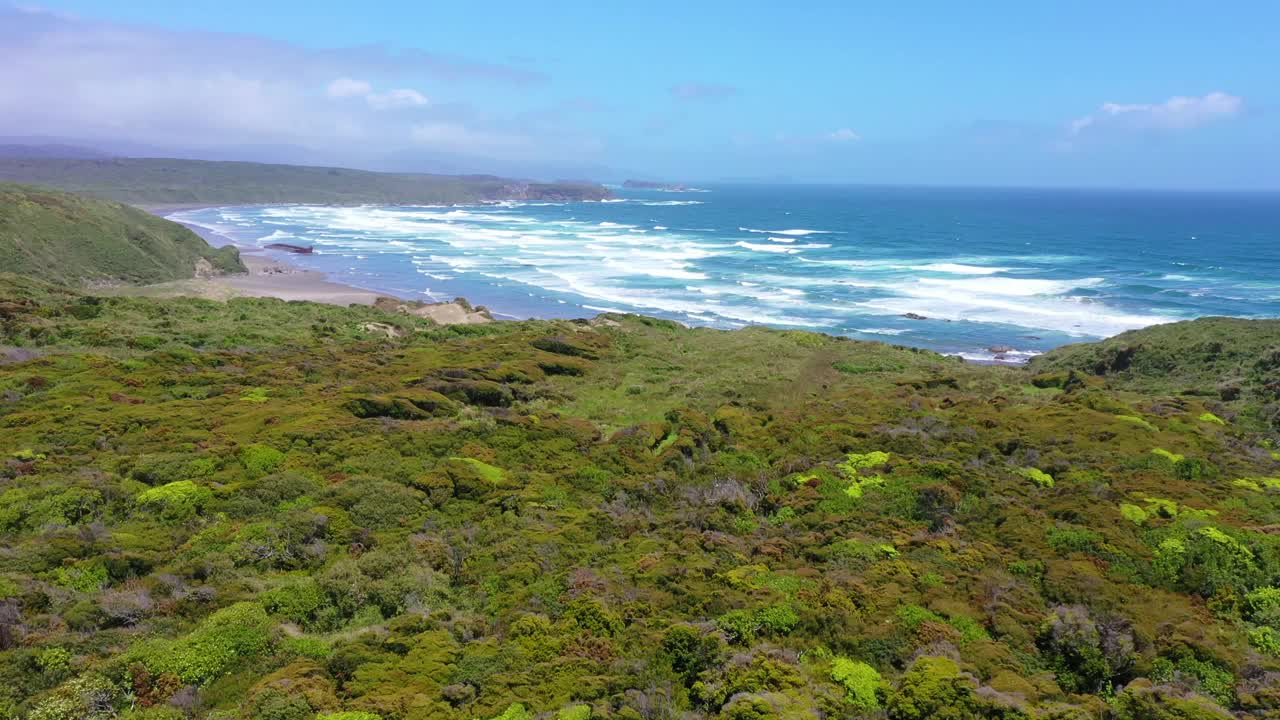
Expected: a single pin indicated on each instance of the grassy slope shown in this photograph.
(163, 181)
(628, 515)
(1227, 358)
(69, 238)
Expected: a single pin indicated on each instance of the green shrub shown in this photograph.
(862, 683)
(934, 689)
(85, 577)
(514, 711)
(226, 638)
(1262, 606)
(1133, 513)
(1141, 700)
(261, 460)
(574, 712)
(689, 651)
(1206, 561)
(88, 697)
(307, 647)
(298, 601)
(485, 471)
(739, 626)
(1135, 420)
(1037, 476)
(913, 616)
(349, 715)
(54, 660)
(778, 619)
(854, 462)
(1266, 639)
(175, 502)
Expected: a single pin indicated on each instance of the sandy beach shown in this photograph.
(267, 277)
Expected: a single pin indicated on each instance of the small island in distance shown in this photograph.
(654, 185)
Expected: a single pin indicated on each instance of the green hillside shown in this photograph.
(1229, 359)
(163, 181)
(264, 510)
(68, 238)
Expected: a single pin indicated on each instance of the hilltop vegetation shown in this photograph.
(1233, 360)
(260, 510)
(165, 181)
(72, 239)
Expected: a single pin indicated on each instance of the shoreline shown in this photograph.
(278, 278)
(267, 277)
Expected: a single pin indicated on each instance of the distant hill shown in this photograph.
(1230, 359)
(49, 150)
(72, 239)
(168, 181)
(652, 185)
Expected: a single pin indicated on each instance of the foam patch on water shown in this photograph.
(881, 331)
(960, 268)
(766, 248)
(799, 233)
(1024, 302)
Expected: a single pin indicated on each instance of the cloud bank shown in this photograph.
(87, 79)
(1176, 113)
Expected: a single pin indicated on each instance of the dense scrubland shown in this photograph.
(169, 181)
(73, 239)
(260, 509)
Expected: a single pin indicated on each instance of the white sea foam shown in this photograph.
(277, 236)
(1031, 303)
(766, 248)
(800, 233)
(676, 273)
(959, 268)
(881, 331)
(1013, 356)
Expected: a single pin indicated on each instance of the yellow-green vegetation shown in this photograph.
(257, 510)
(1037, 476)
(861, 681)
(1135, 420)
(68, 238)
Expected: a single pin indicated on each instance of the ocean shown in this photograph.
(991, 272)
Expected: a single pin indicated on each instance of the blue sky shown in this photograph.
(1138, 94)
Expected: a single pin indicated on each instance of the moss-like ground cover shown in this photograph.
(257, 510)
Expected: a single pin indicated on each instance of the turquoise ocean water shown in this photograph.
(1021, 269)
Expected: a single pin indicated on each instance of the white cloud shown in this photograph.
(90, 80)
(1177, 113)
(398, 98)
(345, 87)
(843, 135)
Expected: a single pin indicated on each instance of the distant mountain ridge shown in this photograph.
(173, 181)
(49, 150)
(71, 239)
